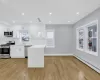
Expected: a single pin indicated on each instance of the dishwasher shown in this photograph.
(26, 50)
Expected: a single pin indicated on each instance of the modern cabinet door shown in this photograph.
(17, 52)
(2, 29)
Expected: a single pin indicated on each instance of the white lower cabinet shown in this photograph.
(17, 51)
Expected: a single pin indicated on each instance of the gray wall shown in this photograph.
(89, 58)
(63, 39)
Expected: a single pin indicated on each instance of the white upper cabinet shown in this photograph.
(37, 31)
(2, 29)
(15, 30)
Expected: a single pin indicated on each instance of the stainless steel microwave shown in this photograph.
(8, 33)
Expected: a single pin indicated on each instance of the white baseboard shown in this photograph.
(17, 57)
(89, 64)
(51, 54)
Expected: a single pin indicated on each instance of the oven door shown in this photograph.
(0, 50)
(1, 53)
(6, 50)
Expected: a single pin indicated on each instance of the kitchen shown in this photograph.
(49, 39)
(17, 41)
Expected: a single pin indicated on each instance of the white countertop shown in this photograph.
(37, 46)
(21, 45)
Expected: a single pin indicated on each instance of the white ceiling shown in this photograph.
(62, 10)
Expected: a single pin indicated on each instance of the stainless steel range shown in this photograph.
(5, 50)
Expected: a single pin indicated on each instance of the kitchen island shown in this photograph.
(36, 56)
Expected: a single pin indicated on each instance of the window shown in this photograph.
(87, 38)
(92, 38)
(50, 38)
(23, 35)
(80, 38)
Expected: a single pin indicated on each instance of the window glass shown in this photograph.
(50, 34)
(92, 38)
(50, 38)
(81, 38)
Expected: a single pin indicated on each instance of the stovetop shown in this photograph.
(4, 46)
(7, 45)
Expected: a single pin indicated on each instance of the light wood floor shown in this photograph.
(56, 68)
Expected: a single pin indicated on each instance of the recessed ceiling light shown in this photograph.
(69, 21)
(50, 13)
(13, 21)
(30, 21)
(23, 14)
(50, 22)
(77, 13)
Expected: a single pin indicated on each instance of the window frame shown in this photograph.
(85, 27)
(77, 38)
(50, 30)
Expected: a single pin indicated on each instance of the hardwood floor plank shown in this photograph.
(56, 68)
